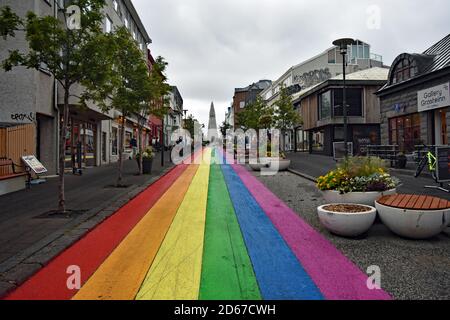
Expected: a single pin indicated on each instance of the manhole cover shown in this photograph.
(55, 214)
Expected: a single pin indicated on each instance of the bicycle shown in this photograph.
(429, 159)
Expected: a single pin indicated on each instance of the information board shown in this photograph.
(443, 164)
(34, 164)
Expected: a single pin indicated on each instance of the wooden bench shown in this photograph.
(8, 169)
(414, 202)
(11, 180)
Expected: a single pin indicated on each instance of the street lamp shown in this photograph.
(343, 44)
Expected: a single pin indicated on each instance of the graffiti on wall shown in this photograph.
(313, 77)
(22, 117)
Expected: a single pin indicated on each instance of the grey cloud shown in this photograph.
(214, 46)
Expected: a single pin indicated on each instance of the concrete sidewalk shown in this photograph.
(314, 166)
(29, 237)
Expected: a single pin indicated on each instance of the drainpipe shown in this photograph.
(55, 100)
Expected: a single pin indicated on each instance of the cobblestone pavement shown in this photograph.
(410, 269)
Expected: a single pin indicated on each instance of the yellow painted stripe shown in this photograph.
(175, 273)
(122, 273)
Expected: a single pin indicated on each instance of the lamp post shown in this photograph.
(163, 137)
(343, 44)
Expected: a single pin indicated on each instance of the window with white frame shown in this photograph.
(242, 104)
(108, 25)
(116, 5)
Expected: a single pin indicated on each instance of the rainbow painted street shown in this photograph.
(204, 231)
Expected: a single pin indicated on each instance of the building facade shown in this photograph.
(245, 96)
(415, 103)
(173, 120)
(95, 132)
(321, 110)
(320, 68)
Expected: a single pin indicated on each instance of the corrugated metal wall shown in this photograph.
(17, 141)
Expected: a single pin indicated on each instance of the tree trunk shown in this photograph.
(62, 155)
(141, 151)
(283, 140)
(121, 150)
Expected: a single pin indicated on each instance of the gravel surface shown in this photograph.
(411, 269)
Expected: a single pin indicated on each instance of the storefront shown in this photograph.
(415, 103)
(81, 144)
(321, 110)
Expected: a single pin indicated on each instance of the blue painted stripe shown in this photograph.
(280, 275)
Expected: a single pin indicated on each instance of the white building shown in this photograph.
(320, 68)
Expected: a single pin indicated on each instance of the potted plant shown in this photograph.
(348, 220)
(360, 180)
(147, 160)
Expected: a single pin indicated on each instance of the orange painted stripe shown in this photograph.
(121, 275)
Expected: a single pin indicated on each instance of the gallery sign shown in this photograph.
(434, 98)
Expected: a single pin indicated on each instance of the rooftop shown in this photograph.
(372, 74)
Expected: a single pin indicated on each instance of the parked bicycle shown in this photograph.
(428, 159)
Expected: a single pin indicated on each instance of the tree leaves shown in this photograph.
(9, 23)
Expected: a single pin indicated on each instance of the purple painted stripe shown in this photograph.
(335, 275)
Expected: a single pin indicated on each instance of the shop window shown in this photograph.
(354, 102)
(404, 70)
(332, 56)
(325, 105)
(405, 132)
(318, 139)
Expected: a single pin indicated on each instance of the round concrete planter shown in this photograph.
(257, 166)
(262, 163)
(279, 164)
(414, 224)
(347, 224)
(365, 198)
(272, 164)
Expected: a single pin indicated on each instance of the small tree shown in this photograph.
(224, 128)
(155, 102)
(257, 115)
(79, 55)
(132, 85)
(285, 116)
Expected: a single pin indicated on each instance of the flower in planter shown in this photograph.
(358, 174)
(147, 154)
(281, 155)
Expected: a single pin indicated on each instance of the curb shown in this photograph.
(17, 269)
(303, 175)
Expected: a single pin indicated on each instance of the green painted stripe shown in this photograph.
(227, 272)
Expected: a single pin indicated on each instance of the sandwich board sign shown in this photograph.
(34, 164)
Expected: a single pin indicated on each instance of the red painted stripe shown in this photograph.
(88, 253)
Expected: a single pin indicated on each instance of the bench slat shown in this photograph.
(414, 202)
(387, 200)
(427, 204)
(405, 201)
(398, 199)
(435, 204)
(419, 203)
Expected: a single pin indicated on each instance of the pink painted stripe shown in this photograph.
(335, 275)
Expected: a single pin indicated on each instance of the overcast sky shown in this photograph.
(214, 46)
